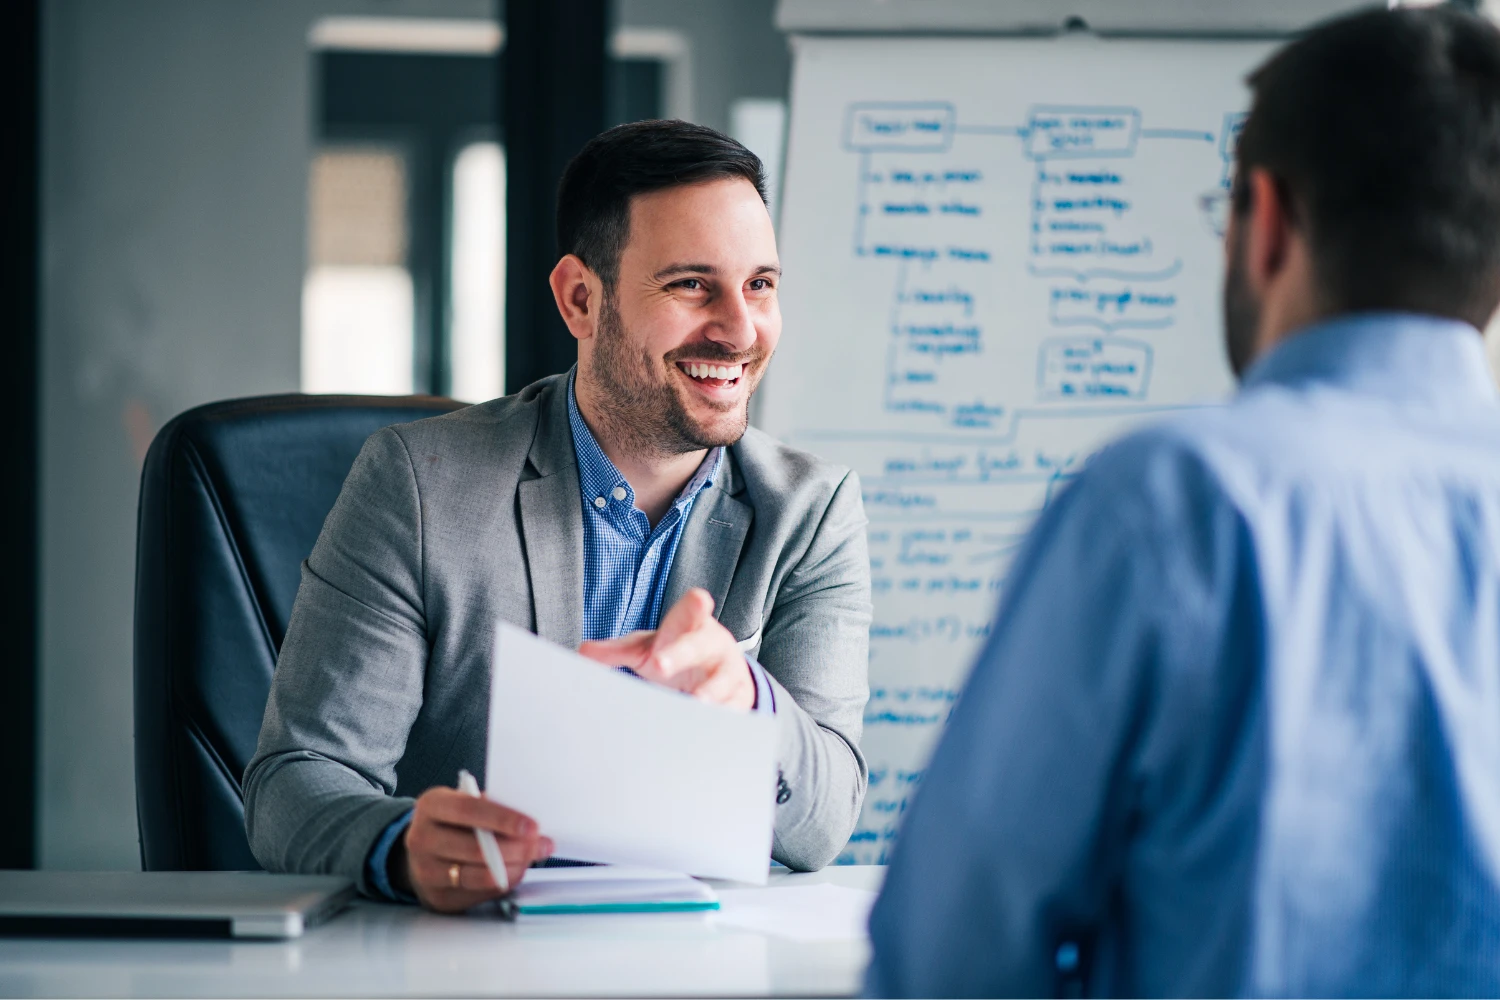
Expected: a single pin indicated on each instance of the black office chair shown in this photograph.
(233, 496)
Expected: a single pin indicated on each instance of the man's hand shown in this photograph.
(440, 842)
(690, 651)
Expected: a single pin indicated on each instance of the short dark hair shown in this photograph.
(1383, 129)
(593, 200)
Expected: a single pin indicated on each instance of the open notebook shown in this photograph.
(611, 889)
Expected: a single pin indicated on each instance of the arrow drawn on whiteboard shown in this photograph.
(1105, 272)
(992, 130)
(1176, 133)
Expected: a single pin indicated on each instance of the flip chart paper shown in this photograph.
(618, 770)
(1010, 230)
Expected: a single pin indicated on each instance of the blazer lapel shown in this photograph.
(552, 525)
(711, 541)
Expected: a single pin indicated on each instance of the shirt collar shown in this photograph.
(1402, 356)
(598, 477)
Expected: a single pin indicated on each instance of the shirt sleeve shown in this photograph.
(380, 856)
(765, 695)
(1110, 733)
(1003, 849)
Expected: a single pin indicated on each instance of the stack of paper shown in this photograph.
(611, 889)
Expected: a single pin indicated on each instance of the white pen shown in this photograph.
(488, 846)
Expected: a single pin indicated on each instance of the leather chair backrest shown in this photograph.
(233, 496)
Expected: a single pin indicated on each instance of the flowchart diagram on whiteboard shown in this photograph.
(996, 260)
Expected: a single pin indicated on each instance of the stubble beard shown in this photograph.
(1241, 311)
(647, 417)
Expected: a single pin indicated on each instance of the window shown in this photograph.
(477, 289)
(405, 289)
(357, 302)
(405, 286)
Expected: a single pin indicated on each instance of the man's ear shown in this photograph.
(579, 294)
(1269, 230)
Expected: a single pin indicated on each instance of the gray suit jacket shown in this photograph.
(449, 524)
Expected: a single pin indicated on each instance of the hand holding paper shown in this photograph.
(624, 772)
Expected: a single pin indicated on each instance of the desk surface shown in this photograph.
(376, 949)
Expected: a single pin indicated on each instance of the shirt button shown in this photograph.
(619, 493)
(600, 501)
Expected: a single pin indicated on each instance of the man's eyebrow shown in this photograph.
(684, 268)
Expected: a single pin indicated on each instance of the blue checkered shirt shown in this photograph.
(626, 564)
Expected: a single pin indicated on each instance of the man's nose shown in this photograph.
(734, 324)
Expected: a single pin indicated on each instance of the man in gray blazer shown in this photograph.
(625, 506)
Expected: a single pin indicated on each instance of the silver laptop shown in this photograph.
(167, 904)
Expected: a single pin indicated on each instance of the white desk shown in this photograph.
(375, 949)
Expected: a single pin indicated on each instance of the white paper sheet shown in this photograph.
(800, 913)
(617, 770)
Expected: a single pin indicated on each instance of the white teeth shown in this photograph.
(725, 372)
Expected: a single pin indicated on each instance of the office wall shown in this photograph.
(736, 50)
(176, 135)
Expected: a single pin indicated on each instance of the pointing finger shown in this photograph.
(627, 651)
(688, 615)
(698, 651)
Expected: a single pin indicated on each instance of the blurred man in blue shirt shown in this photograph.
(1237, 727)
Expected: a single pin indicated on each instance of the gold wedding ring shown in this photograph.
(453, 875)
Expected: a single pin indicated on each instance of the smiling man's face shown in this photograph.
(693, 319)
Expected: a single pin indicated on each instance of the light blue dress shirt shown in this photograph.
(1237, 726)
(626, 560)
(626, 565)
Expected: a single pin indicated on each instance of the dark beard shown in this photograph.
(644, 416)
(1241, 311)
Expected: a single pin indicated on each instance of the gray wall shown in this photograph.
(736, 50)
(176, 135)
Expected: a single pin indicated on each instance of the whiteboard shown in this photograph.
(1161, 17)
(995, 260)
